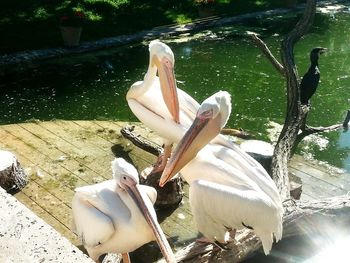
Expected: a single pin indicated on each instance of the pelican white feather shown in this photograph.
(110, 217)
(170, 116)
(143, 96)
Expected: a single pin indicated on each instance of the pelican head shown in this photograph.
(162, 57)
(211, 117)
(124, 173)
(157, 48)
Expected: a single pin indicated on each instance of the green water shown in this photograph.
(93, 86)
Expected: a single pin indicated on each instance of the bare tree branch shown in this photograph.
(308, 130)
(311, 130)
(264, 48)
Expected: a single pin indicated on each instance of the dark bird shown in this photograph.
(311, 78)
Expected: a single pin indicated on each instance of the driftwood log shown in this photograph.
(300, 217)
(140, 142)
(12, 175)
(169, 195)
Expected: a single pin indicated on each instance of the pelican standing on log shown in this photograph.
(117, 216)
(228, 188)
(158, 103)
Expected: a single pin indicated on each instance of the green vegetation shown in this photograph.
(34, 24)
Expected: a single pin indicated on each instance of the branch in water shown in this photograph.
(264, 48)
(234, 132)
(308, 130)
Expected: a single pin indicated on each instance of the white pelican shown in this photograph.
(228, 189)
(158, 103)
(117, 216)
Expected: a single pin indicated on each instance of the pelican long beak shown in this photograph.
(203, 129)
(168, 86)
(163, 244)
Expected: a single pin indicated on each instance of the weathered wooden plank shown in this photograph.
(45, 180)
(181, 225)
(325, 170)
(73, 164)
(56, 185)
(85, 138)
(110, 132)
(71, 143)
(44, 201)
(22, 141)
(318, 187)
(97, 135)
(51, 138)
(305, 196)
(139, 158)
(47, 217)
(70, 152)
(342, 180)
(49, 203)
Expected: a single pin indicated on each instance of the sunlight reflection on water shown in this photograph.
(337, 252)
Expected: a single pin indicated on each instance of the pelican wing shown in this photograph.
(164, 127)
(243, 162)
(96, 212)
(218, 208)
(188, 108)
(244, 157)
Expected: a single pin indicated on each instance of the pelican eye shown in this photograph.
(124, 177)
(207, 113)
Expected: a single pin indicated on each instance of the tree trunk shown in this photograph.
(12, 176)
(296, 113)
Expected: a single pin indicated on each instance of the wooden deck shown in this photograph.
(62, 155)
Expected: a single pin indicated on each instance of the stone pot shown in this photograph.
(71, 35)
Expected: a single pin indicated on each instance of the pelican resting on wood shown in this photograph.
(229, 190)
(155, 100)
(117, 216)
(311, 78)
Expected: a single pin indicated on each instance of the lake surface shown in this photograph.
(93, 86)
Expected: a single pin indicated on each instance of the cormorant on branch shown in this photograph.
(311, 78)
